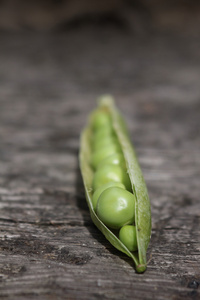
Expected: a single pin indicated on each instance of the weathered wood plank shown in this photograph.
(49, 248)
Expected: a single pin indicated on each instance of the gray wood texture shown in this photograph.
(49, 247)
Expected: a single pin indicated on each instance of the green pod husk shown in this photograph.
(142, 206)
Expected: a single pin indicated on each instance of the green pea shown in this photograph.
(100, 154)
(101, 143)
(113, 159)
(128, 237)
(98, 191)
(103, 133)
(111, 173)
(116, 207)
(99, 119)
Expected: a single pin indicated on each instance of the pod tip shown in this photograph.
(141, 268)
(106, 100)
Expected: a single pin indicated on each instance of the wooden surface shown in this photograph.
(49, 248)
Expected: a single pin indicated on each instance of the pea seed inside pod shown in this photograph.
(128, 237)
(100, 154)
(111, 173)
(98, 191)
(113, 159)
(99, 119)
(102, 134)
(101, 143)
(116, 207)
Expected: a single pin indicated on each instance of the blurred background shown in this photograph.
(92, 46)
(135, 14)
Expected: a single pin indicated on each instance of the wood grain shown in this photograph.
(49, 248)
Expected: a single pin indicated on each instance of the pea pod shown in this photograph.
(138, 186)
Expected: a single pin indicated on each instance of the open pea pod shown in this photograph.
(142, 203)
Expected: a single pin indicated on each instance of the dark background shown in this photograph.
(56, 58)
(139, 15)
